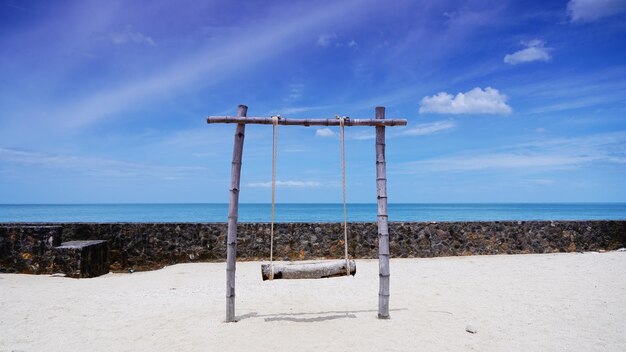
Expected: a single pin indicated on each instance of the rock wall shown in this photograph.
(28, 249)
(145, 246)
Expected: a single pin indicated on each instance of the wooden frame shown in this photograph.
(381, 189)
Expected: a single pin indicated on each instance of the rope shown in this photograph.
(274, 153)
(343, 181)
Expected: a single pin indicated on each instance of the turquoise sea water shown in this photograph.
(307, 212)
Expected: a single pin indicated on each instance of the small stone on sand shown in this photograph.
(471, 329)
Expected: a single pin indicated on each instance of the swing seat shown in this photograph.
(309, 270)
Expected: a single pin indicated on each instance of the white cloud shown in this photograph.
(353, 135)
(129, 36)
(428, 128)
(360, 135)
(592, 10)
(476, 101)
(324, 132)
(353, 45)
(325, 39)
(286, 184)
(535, 51)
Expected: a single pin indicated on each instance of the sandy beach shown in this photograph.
(551, 302)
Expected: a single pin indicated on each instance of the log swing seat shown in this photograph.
(308, 270)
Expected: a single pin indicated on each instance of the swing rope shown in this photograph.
(274, 154)
(343, 182)
(275, 120)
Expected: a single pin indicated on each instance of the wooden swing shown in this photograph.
(309, 270)
(328, 267)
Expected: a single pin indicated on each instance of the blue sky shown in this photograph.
(507, 101)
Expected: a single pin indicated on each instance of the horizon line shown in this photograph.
(319, 203)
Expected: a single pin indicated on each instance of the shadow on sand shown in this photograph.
(316, 316)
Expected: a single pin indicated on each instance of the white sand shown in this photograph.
(561, 302)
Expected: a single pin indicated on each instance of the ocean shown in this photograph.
(308, 212)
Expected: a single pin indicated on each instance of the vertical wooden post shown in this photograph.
(383, 229)
(233, 210)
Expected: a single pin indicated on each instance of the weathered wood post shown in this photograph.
(383, 230)
(233, 210)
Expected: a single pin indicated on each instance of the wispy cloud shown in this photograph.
(592, 10)
(131, 37)
(522, 160)
(295, 91)
(333, 39)
(535, 50)
(553, 154)
(92, 166)
(576, 104)
(539, 182)
(291, 110)
(476, 101)
(216, 62)
(325, 39)
(428, 128)
(12, 5)
(286, 184)
(560, 92)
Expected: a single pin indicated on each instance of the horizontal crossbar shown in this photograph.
(306, 122)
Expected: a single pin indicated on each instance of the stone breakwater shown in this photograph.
(144, 246)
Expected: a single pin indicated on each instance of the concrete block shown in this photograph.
(82, 259)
